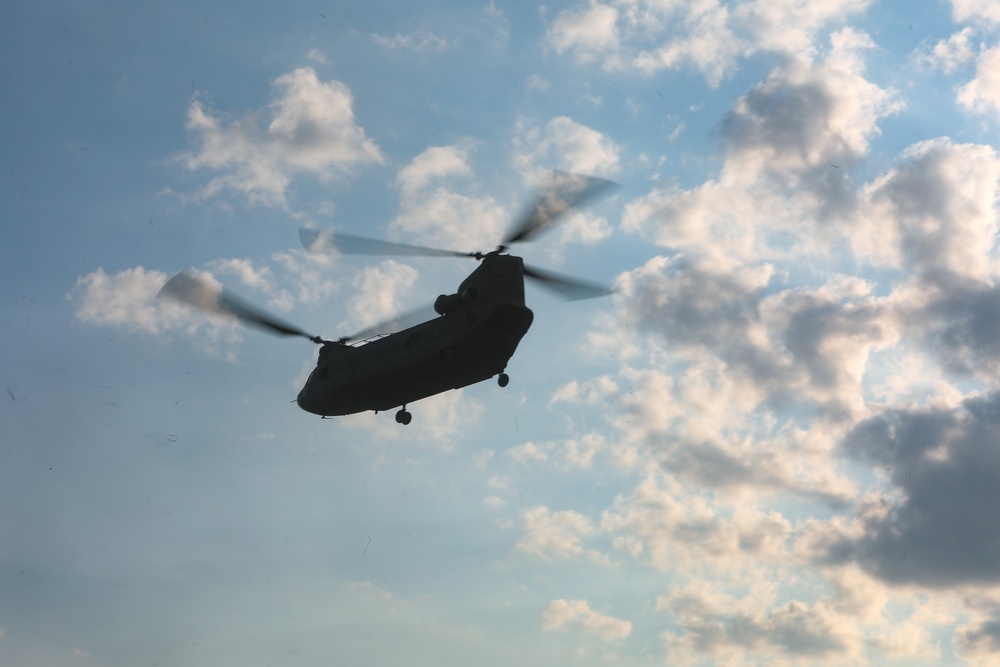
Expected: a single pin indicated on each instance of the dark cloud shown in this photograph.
(945, 464)
(983, 638)
(782, 116)
(960, 325)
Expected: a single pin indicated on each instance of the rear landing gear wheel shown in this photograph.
(503, 379)
(403, 417)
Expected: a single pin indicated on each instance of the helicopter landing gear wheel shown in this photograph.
(403, 417)
(503, 379)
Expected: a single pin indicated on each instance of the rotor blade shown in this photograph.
(327, 242)
(193, 290)
(564, 192)
(567, 288)
(397, 323)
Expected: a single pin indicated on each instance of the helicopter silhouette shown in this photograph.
(468, 337)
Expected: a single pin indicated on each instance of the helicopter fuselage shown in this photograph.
(475, 335)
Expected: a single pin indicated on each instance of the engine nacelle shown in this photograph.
(449, 303)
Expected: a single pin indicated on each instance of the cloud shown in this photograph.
(381, 290)
(435, 212)
(788, 143)
(588, 31)
(982, 94)
(550, 535)
(931, 530)
(975, 10)
(979, 641)
(420, 41)
(711, 36)
(128, 301)
(934, 213)
(562, 613)
(701, 34)
(715, 624)
(950, 54)
(310, 129)
(801, 345)
(673, 529)
(576, 452)
(564, 144)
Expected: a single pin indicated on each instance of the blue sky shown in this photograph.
(776, 444)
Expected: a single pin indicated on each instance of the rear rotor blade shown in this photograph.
(565, 287)
(189, 288)
(565, 192)
(327, 242)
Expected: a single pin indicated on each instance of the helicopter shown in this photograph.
(468, 337)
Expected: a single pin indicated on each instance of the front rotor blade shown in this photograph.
(565, 287)
(193, 290)
(565, 192)
(397, 323)
(327, 242)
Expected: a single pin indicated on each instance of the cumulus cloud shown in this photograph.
(976, 10)
(564, 144)
(950, 54)
(713, 623)
(381, 289)
(931, 531)
(551, 535)
(711, 36)
(666, 525)
(436, 211)
(788, 144)
(563, 613)
(309, 129)
(127, 300)
(982, 94)
(934, 213)
(589, 31)
(797, 345)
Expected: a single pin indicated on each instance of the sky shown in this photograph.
(777, 443)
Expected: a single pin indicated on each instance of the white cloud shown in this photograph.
(381, 291)
(789, 141)
(982, 94)
(589, 31)
(950, 54)
(714, 624)
(564, 144)
(128, 300)
(674, 529)
(432, 208)
(933, 213)
(701, 35)
(711, 35)
(976, 10)
(550, 535)
(421, 41)
(528, 453)
(562, 613)
(314, 55)
(310, 129)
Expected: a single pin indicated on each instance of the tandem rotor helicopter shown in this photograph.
(470, 336)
